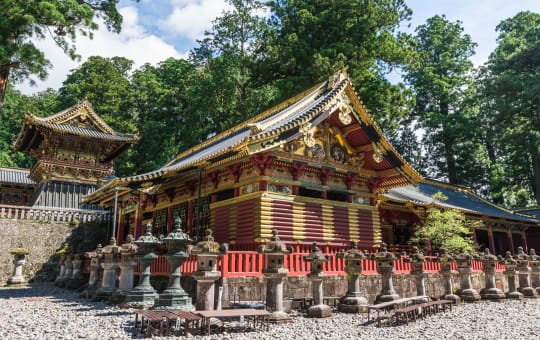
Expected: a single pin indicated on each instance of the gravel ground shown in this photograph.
(43, 311)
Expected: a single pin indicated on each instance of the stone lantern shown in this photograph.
(490, 292)
(93, 256)
(144, 295)
(77, 277)
(510, 272)
(466, 292)
(446, 261)
(207, 252)
(417, 259)
(385, 267)
(19, 259)
(175, 297)
(274, 273)
(534, 261)
(353, 301)
(109, 256)
(317, 259)
(62, 272)
(69, 269)
(523, 274)
(127, 265)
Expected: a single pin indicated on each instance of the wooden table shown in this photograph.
(256, 317)
(392, 304)
(191, 321)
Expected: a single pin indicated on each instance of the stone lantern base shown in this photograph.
(16, 280)
(492, 294)
(353, 304)
(469, 295)
(528, 292)
(386, 297)
(514, 295)
(319, 311)
(174, 301)
(453, 297)
(140, 299)
(279, 317)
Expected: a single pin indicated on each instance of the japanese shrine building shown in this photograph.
(74, 151)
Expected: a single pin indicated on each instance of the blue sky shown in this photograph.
(155, 30)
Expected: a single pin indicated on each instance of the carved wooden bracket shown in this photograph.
(296, 169)
(214, 178)
(170, 194)
(349, 179)
(236, 171)
(262, 161)
(324, 174)
(191, 186)
(374, 184)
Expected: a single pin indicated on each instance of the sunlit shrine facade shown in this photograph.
(310, 167)
(74, 151)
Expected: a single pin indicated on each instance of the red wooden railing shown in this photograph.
(251, 263)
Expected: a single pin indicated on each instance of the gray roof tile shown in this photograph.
(15, 176)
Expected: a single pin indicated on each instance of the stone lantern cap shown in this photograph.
(486, 256)
(532, 256)
(94, 253)
(444, 257)
(416, 256)
(147, 242)
(383, 255)
(177, 240)
(464, 258)
(275, 246)
(353, 253)
(316, 255)
(521, 256)
(129, 248)
(111, 248)
(19, 251)
(508, 260)
(208, 246)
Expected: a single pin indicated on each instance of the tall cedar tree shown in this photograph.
(442, 82)
(513, 90)
(22, 21)
(313, 39)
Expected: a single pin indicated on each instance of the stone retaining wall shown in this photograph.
(42, 239)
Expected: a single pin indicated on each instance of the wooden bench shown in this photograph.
(387, 306)
(175, 317)
(427, 308)
(255, 317)
(151, 321)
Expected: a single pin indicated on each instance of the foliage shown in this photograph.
(511, 91)
(23, 21)
(311, 40)
(445, 229)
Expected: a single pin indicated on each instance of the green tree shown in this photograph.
(23, 21)
(512, 96)
(445, 229)
(442, 80)
(105, 82)
(313, 39)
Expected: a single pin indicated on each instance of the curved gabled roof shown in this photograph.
(460, 198)
(276, 126)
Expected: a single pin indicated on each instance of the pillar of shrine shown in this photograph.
(274, 273)
(353, 301)
(207, 252)
(490, 292)
(385, 267)
(466, 292)
(144, 295)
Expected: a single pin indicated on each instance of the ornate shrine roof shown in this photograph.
(79, 120)
(19, 176)
(530, 211)
(283, 123)
(460, 198)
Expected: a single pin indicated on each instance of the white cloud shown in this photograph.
(133, 42)
(192, 18)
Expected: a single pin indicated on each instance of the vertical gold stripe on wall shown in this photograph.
(328, 223)
(353, 225)
(377, 236)
(233, 222)
(299, 229)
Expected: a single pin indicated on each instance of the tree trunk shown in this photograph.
(448, 142)
(4, 74)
